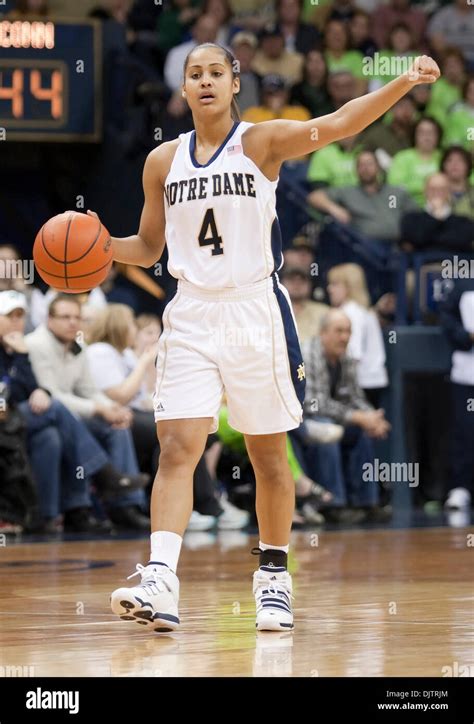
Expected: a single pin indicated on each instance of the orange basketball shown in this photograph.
(72, 252)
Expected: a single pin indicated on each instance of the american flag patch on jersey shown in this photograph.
(234, 149)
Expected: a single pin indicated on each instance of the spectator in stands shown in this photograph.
(367, 208)
(148, 331)
(244, 45)
(14, 275)
(174, 23)
(342, 10)
(335, 164)
(411, 168)
(341, 88)
(275, 97)
(301, 253)
(338, 55)
(436, 226)
(204, 30)
(252, 15)
(312, 91)
(361, 33)
(60, 365)
(333, 391)
(401, 47)
(221, 11)
(59, 444)
(385, 17)
(308, 313)
(347, 290)
(457, 320)
(272, 58)
(298, 36)
(456, 164)
(386, 139)
(120, 374)
(450, 89)
(460, 121)
(112, 10)
(453, 26)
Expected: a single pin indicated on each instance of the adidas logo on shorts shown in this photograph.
(160, 407)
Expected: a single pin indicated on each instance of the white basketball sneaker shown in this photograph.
(273, 589)
(153, 603)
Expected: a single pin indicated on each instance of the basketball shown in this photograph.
(72, 252)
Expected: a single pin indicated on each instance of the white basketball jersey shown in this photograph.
(221, 224)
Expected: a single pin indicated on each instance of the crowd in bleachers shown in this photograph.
(77, 374)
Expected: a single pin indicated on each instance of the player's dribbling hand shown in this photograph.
(424, 70)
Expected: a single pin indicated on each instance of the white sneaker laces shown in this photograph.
(151, 577)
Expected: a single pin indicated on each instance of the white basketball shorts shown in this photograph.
(241, 342)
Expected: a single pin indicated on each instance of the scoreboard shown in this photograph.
(50, 80)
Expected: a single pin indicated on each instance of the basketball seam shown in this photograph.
(69, 261)
(77, 276)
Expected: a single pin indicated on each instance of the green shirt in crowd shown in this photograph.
(460, 127)
(410, 171)
(334, 166)
(351, 61)
(444, 95)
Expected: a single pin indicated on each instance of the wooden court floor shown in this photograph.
(367, 603)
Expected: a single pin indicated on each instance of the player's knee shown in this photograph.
(178, 451)
(270, 465)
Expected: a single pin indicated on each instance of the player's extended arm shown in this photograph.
(289, 139)
(146, 247)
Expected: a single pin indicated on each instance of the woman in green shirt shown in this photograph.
(457, 165)
(411, 168)
(460, 124)
(339, 57)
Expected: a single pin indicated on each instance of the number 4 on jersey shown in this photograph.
(214, 239)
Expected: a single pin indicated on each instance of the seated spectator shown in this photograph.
(448, 92)
(401, 49)
(342, 10)
(272, 58)
(460, 121)
(204, 30)
(367, 208)
(342, 87)
(361, 35)
(59, 444)
(298, 36)
(333, 391)
(453, 26)
(252, 15)
(308, 313)
(301, 254)
(221, 11)
(339, 57)
(456, 164)
(385, 18)
(411, 168)
(120, 374)
(174, 23)
(312, 92)
(275, 96)
(347, 290)
(61, 366)
(387, 137)
(23, 8)
(457, 321)
(335, 164)
(18, 274)
(243, 47)
(437, 227)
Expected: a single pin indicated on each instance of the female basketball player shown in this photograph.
(210, 195)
